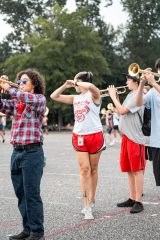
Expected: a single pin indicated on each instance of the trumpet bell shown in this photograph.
(134, 69)
(103, 111)
(111, 107)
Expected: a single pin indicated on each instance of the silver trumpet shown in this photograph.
(119, 90)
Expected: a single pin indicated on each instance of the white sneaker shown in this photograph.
(83, 210)
(88, 214)
(92, 205)
(112, 143)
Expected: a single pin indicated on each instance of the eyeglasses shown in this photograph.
(24, 81)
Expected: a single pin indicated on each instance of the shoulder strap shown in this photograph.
(140, 118)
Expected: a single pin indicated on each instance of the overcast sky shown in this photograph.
(112, 14)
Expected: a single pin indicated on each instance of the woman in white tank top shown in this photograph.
(88, 140)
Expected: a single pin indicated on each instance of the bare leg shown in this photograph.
(110, 137)
(115, 133)
(85, 175)
(94, 160)
(139, 180)
(2, 135)
(132, 188)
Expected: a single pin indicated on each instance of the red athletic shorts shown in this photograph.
(91, 143)
(132, 157)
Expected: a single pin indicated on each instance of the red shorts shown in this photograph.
(91, 143)
(132, 157)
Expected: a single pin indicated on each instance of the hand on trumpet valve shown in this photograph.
(112, 90)
(148, 76)
(4, 78)
(3, 84)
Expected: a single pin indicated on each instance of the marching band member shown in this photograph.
(27, 107)
(132, 156)
(87, 139)
(116, 124)
(2, 126)
(107, 114)
(152, 98)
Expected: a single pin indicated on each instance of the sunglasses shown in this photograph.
(24, 81)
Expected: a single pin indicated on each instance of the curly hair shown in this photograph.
(36, 78)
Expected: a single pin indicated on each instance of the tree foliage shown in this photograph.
(143, 31)
(60, 44)
(60, 47)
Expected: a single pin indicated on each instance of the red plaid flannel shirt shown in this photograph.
(26, 126)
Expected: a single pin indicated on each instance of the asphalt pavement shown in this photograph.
(60, 191)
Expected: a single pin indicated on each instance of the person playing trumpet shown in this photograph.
(152, 98)
(27, 107)
(87, 138)
(132, 156)
(1, 126)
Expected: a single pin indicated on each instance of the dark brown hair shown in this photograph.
(36, 78)
(85, 76)
(157, 64)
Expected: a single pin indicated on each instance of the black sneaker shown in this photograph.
(21, 236)
(137, 207)
(3, 140)
(128, 203)
(33, 237)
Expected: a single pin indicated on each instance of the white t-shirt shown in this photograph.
(86, 115)
(116, 119)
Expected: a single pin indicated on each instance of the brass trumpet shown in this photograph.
(2, 80)
(103, 111)
(134, 70)
(120, 90)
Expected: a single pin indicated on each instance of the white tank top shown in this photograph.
(86, 115)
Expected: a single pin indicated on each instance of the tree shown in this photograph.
(61, 47)
(20, 15)
(143, 31)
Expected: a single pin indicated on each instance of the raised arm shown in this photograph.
(150, 78)
(6, 106)
(120, 108)
(92, 88)
(139, 97)
(59, 97)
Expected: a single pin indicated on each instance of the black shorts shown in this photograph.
(109, 130)
(115, 127)
(156, 164)
(148, 153)
(44, 127)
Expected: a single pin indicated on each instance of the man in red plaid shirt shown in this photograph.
(27, 106)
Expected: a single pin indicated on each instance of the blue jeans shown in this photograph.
(26, 174)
